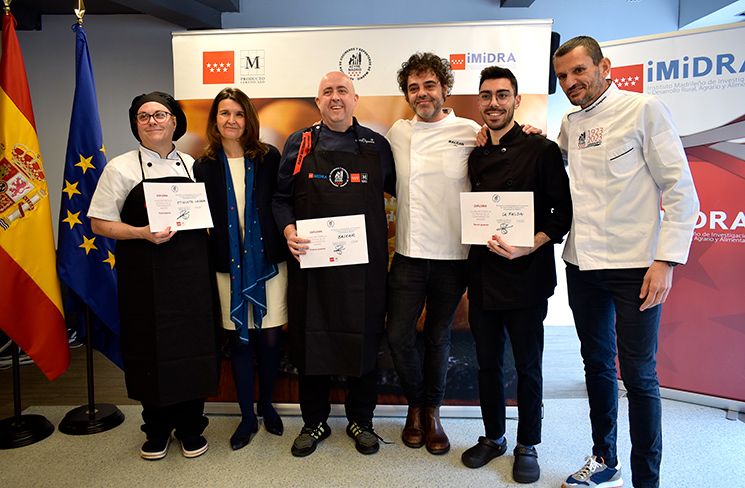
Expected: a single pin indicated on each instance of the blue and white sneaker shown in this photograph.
(595, 474)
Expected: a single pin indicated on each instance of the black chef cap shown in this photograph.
(164, 99)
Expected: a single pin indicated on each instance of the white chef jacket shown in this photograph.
(431, 170)
(625, 162)
(122, 173)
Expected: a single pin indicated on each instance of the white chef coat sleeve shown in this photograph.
(668, 165)
(111, 192)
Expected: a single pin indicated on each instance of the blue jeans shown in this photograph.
(412, 283)
(605, 304)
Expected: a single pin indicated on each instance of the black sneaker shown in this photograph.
(526, 469)
(154, 449)
(483, 452)
(365, 438)
(308, 439)
(192, 447)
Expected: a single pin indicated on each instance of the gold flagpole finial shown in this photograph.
(80, 11)
(6, 6)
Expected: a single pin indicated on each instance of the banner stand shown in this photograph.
(22, 430)
(91, 418)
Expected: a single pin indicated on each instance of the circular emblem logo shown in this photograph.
(355, 63)
(339, 177)
(495, 198)
(330, 223)
(174, 188)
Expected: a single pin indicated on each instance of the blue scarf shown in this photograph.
(249, 267)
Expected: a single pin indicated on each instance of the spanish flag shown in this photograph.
(30, 300)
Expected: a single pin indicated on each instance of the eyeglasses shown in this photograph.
(159, 116)
(485, 98)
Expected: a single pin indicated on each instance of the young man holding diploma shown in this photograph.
(509, 286)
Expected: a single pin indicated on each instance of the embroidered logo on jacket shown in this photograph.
(590, 138)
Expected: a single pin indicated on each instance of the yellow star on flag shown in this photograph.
(88, 244)
(71, 189)
(72, 219)
(85, 163)
(111, 259)
(103, 149)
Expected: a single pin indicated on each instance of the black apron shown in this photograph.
(336, 314)
(167, 310)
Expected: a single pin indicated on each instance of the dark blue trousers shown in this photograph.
(605, 304)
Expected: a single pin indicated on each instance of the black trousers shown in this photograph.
(187, 418)
(525, 329)
(362, 396)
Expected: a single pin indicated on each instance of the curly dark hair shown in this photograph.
(421, 63)
(250, 142)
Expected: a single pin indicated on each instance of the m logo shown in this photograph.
(218, 67)
(253, 62)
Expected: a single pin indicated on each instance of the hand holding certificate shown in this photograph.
(508, 215)
(180, 206)
(334, 241)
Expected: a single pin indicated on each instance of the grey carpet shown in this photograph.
(702, 448)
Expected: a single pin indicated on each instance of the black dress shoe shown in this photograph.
(243, 434)
(483, 452)
(272, 421)
(526, 469)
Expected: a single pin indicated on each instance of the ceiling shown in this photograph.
(190, 14)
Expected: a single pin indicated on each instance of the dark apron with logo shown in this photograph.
(336, 314)
(167, 310)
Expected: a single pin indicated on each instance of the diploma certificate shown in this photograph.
(180, 206)
(508, 214)
(334, 241)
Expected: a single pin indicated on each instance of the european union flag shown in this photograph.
(85, 261)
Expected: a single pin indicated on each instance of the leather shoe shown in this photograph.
(435, 438)
(413, 433)
(525, 468)
(243, 434)
(483, 452)
(272, 421)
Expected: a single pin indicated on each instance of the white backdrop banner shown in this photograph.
(282, 63)
(700, 75)
(280, 70)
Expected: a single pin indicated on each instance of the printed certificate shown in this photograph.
(180, 206)
(508, 214)
(334, 241)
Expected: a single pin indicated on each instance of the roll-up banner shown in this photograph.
(700, 75)
(279, 69)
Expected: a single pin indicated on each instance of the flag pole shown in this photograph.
(21, 430)
(91, 418)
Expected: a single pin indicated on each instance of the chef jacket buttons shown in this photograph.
(504, 149)
(178, 163)
(149, 165)
(509, 182)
